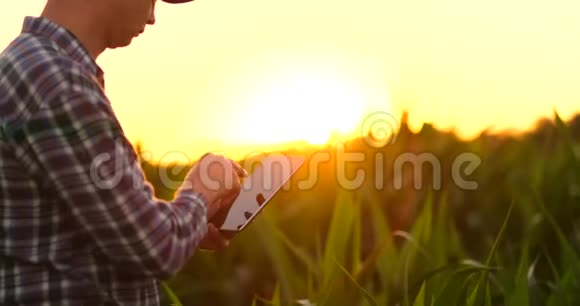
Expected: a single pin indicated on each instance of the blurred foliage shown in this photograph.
(514, 240)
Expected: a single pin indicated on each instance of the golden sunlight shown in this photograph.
(307, 105)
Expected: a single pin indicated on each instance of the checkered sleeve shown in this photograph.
(76, 144)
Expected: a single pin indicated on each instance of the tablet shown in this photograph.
(271, 174)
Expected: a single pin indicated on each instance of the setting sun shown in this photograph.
(306, 105)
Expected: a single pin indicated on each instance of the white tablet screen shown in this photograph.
(262, 184)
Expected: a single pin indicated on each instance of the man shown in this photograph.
(78, 223)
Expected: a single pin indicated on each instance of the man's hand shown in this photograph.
(214, 240)
(218, 180)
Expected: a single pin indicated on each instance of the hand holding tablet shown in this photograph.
(256, 191)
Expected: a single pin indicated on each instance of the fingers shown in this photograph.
(213, 208)
(204, 156)
(214, 240)
(218, 179)
(218, 210)
(241, 172)
(220, 241)
(230, 198)
(234, 189)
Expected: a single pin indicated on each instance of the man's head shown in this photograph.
(104, 23)
(126, 19)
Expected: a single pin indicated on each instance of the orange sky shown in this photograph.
(236, 75)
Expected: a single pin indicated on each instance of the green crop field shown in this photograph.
(512, 240)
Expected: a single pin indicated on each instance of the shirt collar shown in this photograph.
(66, 40)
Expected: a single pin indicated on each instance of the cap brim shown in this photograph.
(177, 1)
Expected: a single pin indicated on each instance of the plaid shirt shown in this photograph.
(79, 225)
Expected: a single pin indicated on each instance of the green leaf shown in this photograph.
(384, 255)
(499, 236)
(567, 291)
(420, 299)
(171, 295)
(280, 259)
(477, 294)
(519, 296)
(369, 298)
(340, 230)
(454, 289)
(488, 295)
(371, 263)
(412, 242)
(299, 253)
(277, 299)
(570, 258)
